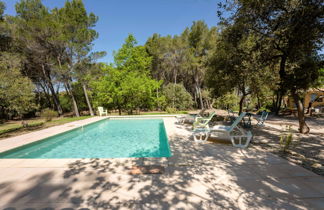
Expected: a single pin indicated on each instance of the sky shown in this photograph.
(142, 18)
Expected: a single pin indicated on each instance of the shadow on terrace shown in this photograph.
(196, 176)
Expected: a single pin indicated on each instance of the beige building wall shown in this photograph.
(310, 95)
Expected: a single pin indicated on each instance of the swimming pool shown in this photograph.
(109, 138)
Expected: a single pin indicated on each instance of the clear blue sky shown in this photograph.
(118, 18)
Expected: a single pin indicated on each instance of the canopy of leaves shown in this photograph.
(127, 85)
(177, 97)
(16, 90)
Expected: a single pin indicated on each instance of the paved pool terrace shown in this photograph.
(197, 176)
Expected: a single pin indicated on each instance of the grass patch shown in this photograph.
(60, 121)
(14, 128)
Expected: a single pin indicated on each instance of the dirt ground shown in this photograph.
(305, 150)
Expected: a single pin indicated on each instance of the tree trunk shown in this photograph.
(279, 104)
(200, 97)
(47, 95)
(241, 104)
(174, 87)
(55, 99)
(119, 110)
(258, 101)
(87, 99)
(278, 101)
(303, 128)
(281, 91)
(51, 88)
(74, 103)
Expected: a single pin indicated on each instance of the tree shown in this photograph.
(200, 42)
(292, 32)
(235, 64)
(86, 69)
(183, 58)
(127, 84)
(131, 57)
(16, 91)
(56, 44)
(77, 35)
(183, 99)
(125, 90)
(33, 31)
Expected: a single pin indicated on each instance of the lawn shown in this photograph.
(14, 128)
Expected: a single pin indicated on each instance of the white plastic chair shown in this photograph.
(102, 111)
(238, 136)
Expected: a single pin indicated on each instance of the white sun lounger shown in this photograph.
(238, 136)
(263, 118)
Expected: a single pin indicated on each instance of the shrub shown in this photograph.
(35, 124)
(263, 109)
(177, 96)
(286, 139)
(227, 101)
(171, 110)
(48, 114)
(4, 131)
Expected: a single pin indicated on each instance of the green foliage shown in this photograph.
(263, 47)
(131, 57)
(183, 59)
(65, 101)
(289, 37)
(123, 90)
(35, 124)
(8, 130)
(48, 114)
(15, 127)
(79, 95)
(320, 82)
(177, 97)
(2, 8)
(286, 139)
(227, 101)
(171, 110)
(127, 85)
(16, 90)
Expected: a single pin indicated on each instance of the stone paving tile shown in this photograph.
(255, 201)
(57, 163)
(299, 187)
(5, 163)
(315, 203)
(287, 187)
(155, 161)
(281, 170)
(14, 174)
(315, 182)
(27, 163)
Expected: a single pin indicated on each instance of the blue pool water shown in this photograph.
(103, 139)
